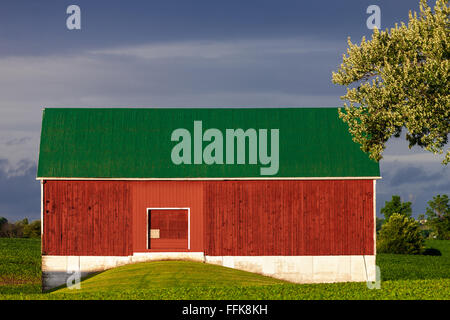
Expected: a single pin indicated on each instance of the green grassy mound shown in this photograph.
(170, 274)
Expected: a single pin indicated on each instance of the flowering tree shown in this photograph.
(400, 80)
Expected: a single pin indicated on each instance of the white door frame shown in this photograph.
(172, 208)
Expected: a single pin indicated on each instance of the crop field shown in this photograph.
(403, 277)
(20, 265)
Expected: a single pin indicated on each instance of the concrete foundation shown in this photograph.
(57, 270)
(304, 269)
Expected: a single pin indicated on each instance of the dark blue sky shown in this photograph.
(38, 27)
(180, 53)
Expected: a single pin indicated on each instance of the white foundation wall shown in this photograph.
(56, 270)
(304, 269)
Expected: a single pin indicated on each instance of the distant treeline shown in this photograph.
(20, 229)
(434, 224)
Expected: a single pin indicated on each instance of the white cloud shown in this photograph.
(414, 157)
(16, 146)
(222, 49)
(397, 149)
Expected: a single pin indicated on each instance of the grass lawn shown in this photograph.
(403, 277)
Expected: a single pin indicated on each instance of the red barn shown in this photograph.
(282, 192)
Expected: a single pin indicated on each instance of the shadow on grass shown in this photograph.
(81, 281)
(432, 252)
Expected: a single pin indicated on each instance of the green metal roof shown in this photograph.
(136, 143)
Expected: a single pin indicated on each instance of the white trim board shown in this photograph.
(170, 208)
(374, 217)
(219, 179)
(42, 211)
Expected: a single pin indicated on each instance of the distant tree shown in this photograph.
(3, 226)
(402, 235)
(400, 80)
(379, 223)
(3, 221)
(17, 229)
(438, 217)
(20, 229)
(396, 206)
(424, 226)
(32, 230)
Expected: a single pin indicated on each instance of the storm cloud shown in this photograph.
(19, 191)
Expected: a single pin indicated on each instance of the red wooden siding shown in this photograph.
(87, 218)
(288, 217)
